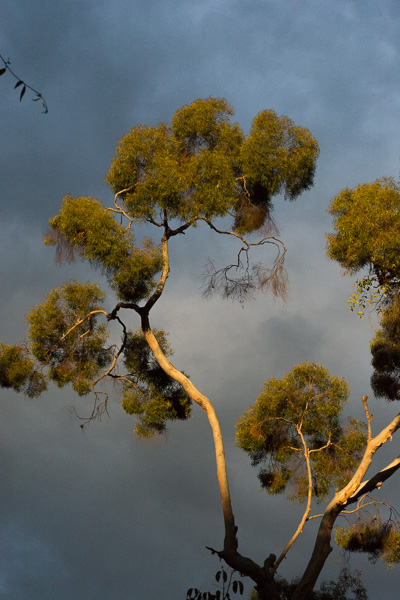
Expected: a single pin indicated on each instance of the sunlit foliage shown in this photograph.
(381, 540)
(88, 228)
(297, 419)
(66, 337)
(203, 165)
(19, 371)
(367, 234)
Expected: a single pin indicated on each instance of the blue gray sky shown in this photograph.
(99, 514)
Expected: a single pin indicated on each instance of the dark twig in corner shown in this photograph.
(24, 86)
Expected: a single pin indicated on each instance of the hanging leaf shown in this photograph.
(22, 93)
(19, 82)
(2, 71)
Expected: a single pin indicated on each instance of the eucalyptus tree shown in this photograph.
(200, 169)
(367, 241)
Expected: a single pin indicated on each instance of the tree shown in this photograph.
(201, 169)
(367, 238)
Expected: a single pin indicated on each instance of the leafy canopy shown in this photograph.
(367, 232)
(203, 166)
(88, 228)
(66, 337)
(295, 421)
(367, 226)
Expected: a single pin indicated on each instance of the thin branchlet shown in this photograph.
(23, 85)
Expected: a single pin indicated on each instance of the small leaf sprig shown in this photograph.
(24, 86)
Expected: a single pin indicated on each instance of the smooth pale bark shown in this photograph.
(262, 577)
(306, 454)
(350, 493)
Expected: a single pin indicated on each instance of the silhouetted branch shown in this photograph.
(24, 86)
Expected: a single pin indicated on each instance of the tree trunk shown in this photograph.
(263, 577)
(350, 493)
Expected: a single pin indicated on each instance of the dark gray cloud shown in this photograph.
(100, 514)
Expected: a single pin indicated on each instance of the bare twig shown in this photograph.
(80, 321)
(368, 415)
(120, 210)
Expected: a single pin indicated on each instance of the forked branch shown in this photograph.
(350, 493)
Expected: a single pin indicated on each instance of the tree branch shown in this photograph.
(299, 530)
(164, 274)
(261, 576)
(368, 415)
(353, 489)
(80, 321)
(24, 85)
(376, 481)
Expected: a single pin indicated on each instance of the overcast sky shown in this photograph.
(101, 515)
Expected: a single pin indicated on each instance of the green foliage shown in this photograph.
(298, 418)
(366, 295)
(367, 233)
(66, 337)
(85, 226)
(278, 157)
(19, 371)
(347, 587)
(378, 539)
(203, 166)
(367, 226)
(385, 350)
(149, 393)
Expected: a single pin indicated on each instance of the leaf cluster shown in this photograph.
(19, 371)
(385, 350)
(297, 419)
(149, 393)
(88, 228)
(367, 232)
(203, 166)
(66, 337)
(381, 540)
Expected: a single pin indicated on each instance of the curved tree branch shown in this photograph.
(353, 490)
(306, 454)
